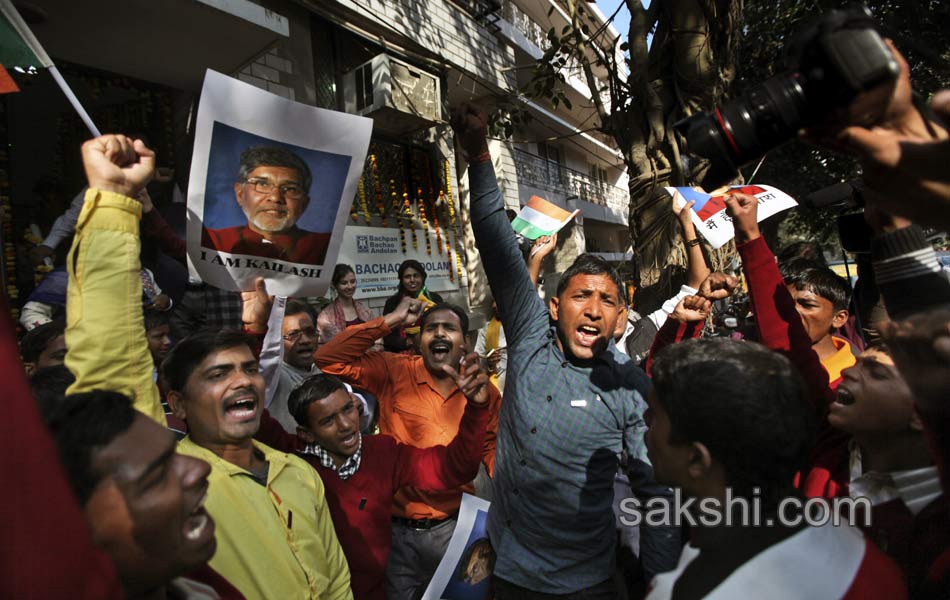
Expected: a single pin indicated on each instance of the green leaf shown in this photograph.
(567, 102)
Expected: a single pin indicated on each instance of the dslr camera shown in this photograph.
(829, 63)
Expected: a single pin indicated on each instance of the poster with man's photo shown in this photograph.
(466, 568)
(270, 188)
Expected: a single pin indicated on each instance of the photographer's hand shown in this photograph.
(744, 211)
(903, 156)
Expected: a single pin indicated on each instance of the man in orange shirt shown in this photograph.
(420, 405)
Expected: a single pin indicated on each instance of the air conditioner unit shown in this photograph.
(398, 97)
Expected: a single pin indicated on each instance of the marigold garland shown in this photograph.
(410, 225)
(453, 220)
(435, 225)
(353, 206)
(378, 191)
(425, 223)
(363, 207)
(397, 215)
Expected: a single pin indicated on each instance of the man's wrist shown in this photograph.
(744, 237)
(255, 328)
(480, 156)
(122, 190)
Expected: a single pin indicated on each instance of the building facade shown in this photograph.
(403, 63)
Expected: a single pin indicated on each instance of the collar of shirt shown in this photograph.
(915, 487)
(423, 377)
(347, 469)
(276, 459)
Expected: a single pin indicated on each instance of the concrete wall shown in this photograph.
(286, 69)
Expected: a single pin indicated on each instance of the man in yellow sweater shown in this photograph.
(275, 538)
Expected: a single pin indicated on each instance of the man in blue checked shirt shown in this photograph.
(573, 403)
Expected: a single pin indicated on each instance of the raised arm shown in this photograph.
(447, 467)
(685, 322)
(520, 309)
(696, 269)
(346, 354)
(105, 330)
(542, 248)
(780, 326)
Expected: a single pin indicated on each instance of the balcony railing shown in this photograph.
(536, 34)
(549, 175)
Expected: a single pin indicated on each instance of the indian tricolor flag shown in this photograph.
(20, 48)
(539, 217)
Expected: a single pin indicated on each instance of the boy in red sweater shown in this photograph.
(870, 442)
(821, 299)
(361, 473)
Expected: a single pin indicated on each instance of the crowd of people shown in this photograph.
(155, 463)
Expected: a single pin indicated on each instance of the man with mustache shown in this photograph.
(271, 526)
(273, 190)
(420, 404)
(299, 335)
(573, 404)
(275, 534)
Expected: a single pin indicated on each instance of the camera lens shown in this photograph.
(766, 116)
(705, 137)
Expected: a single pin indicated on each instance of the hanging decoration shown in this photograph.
(378, 191)
(363, 207)
(397, 214)
(453, 221)
(435, 222)
(425, 223)
(408, 208)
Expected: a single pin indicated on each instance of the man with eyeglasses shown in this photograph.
(273, 190)
(300, 340)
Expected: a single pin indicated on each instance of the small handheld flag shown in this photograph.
(539, 217)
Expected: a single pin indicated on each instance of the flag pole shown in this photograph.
(21, 28)
(74, 101)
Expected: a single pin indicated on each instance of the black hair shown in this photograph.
(589, 264)
(745, 403)
(462, 315)
(825, 283)
(313, 388)
(410, 264)
(273, 156)
(339, 272)
(795, 266)
(801, 249)
(295, 307)
(184, 358)
(50, 384)
(35, 342)
(81, 425)
(154, 318)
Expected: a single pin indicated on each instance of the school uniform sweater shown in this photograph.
(361, 506)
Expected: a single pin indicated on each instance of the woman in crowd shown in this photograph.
(412, 282)
(344, 310)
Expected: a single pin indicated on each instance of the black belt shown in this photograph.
(421, 524)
